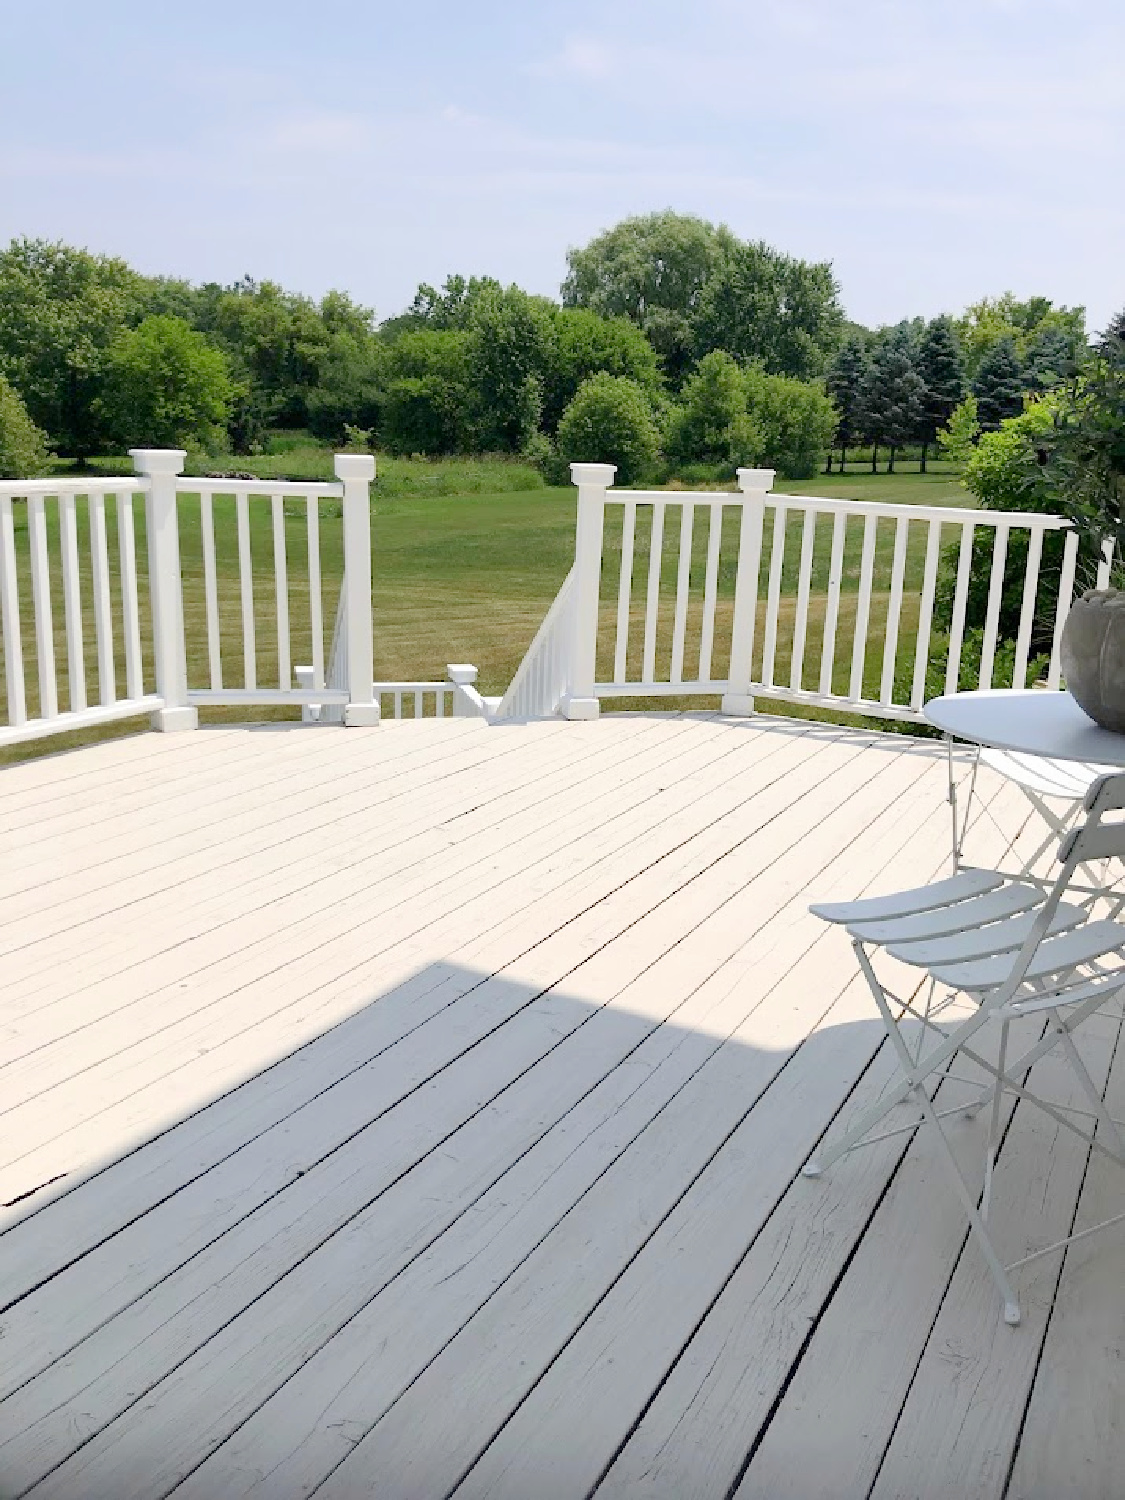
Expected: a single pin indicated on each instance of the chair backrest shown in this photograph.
(1091, 839)
(1094, 839)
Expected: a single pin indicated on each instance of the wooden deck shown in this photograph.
(418, 1111)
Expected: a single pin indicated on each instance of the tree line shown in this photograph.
(673, 344)
(907, 384)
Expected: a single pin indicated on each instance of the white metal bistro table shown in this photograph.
(1038, 738)
(1035, 721)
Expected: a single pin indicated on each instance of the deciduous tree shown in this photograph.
(165, 387)
(23, 446)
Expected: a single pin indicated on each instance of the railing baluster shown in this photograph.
(863, 607)
(992, 613)
(1105, 564)
(1027, 607)
(398, 704)
(439, 704)
(211, 592)
(773, 597)
(960, 601)
(710, 590)
(801, 620)
(624, 591)
(417, 705)
(832, 609)
(10, 616)
(72, 601)
(652, 599)
(683, 584)
(281, 588)
(926, 616)
(41, 603)
(246, 589)
(130, 603)
(894, 612)
(1062, 609)
(316, 606)
(103, 612)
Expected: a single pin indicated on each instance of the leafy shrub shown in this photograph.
(794, 420)
(1004, 472)
(165, 386)
(23, 447)
(711, 424)
(968, 677)
(610, 421)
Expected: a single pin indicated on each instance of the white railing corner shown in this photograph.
(161, 467)
(467, 701)
(755, 484)
(579, 700)
(356, 471)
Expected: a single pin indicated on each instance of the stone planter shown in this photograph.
(1093, 656)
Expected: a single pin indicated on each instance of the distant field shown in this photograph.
(468, 556)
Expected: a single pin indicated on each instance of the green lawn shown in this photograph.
(468, 558)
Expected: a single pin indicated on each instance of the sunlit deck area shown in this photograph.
(419, 1110)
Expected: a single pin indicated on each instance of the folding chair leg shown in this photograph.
(1097, 1103)
(994, 1123)
(961, 1187)
(976, 1222)
(819, 1163)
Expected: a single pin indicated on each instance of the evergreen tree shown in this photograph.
(845, 385)
(1050, 359)
(942, 370)
(998, 386)
(892, 397)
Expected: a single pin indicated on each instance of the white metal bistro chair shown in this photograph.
(1012, 947)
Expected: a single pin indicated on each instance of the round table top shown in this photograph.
(1037, 721)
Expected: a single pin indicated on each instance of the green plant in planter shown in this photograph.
(1087, 448)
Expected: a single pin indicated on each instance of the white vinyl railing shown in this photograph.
(541, 679)
(751, 594)
(74, 555)
(58, 566)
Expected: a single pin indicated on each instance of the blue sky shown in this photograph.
(934, 151)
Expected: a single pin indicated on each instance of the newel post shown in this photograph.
(755, 485)
(579, 700)
(356, 471)
(161, 467)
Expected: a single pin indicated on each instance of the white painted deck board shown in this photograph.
(473, 1077)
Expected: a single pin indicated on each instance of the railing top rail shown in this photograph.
(955, 515)
(190, 484)
(18, 489)
(413, 687)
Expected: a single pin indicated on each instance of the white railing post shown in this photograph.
(467, 701)
(356, 471)
(755, 485)
(579, 700)
(161, 467)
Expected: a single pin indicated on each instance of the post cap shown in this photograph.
(756, 479)
(355, 465)
(463, 673)
(601, 474)
(158, 460)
